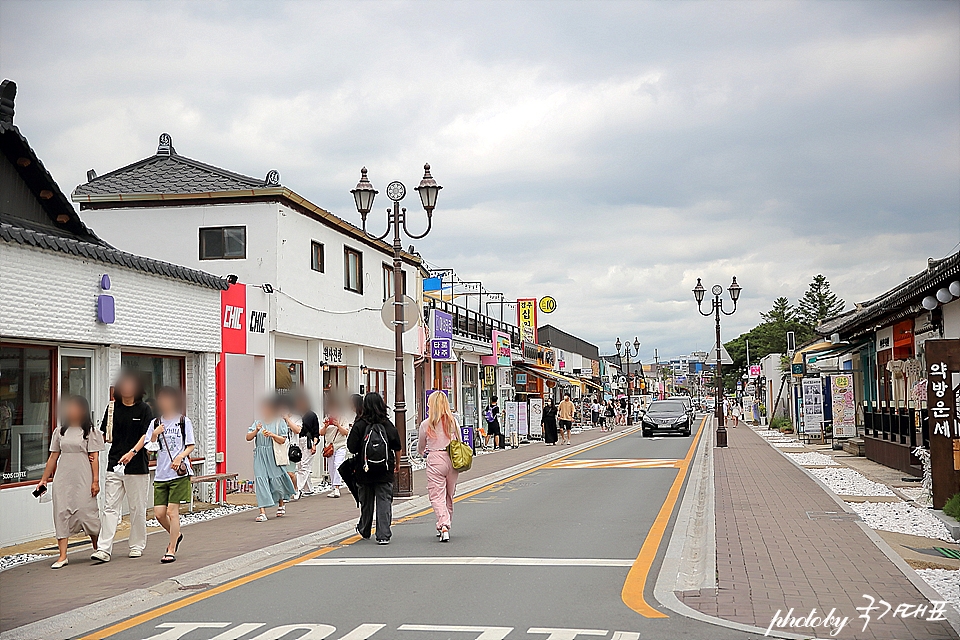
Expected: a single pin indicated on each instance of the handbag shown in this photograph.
(328, 450)
(461, 456)
(295, 453)
(280, 453)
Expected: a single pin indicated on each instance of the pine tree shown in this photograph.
(818, 303)
(781, 313)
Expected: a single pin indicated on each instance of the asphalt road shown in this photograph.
(544, 555)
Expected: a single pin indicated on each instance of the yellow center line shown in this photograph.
(232, 584)
(633, 587)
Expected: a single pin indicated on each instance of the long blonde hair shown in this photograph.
(441, 415)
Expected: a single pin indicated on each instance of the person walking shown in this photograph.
(124, 426)
(550, 424)
(735, 412)
(565, 418)
(171, 436)
(334, 432)
(309, 437)
(609, 416)
(377, 443)
(492, 416)
(74, 463)
(272, 483)
(434, 436)
(595, 413)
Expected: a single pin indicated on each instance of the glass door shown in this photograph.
(76, 376)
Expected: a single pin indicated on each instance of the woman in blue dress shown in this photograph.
(272, 483)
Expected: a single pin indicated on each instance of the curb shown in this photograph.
(693, 538)
(96, 615)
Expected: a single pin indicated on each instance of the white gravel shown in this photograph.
(813, 458)
(847, 482)
(9, 562)
(901, 517)
(787, 444)
(945, 581)
(210, 514)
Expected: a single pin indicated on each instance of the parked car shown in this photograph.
(666, 415)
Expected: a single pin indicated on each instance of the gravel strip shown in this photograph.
(787, 444)
(210, 514)
(9, 562)
(847, 482)
(945, 581)
(813, 458)
(902, 517)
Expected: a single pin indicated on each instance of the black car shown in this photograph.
(666, 415)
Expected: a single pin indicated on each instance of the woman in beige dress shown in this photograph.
(74, 464)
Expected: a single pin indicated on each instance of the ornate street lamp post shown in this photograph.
(716, 310)
(363, 194)
(626, 353)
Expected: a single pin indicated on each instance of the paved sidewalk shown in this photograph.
(772, 555)
(33, 591)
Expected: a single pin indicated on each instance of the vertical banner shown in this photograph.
(511, 426)
(501, 349)
(812, 405)
(844, 407)
(943, 399)
(536, 417)
(527, 319)
(522, 425)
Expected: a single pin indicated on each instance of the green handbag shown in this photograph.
(461, 456)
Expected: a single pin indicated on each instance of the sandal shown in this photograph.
(281, 511)
(261, 518)
(168, 558)
(179, 540)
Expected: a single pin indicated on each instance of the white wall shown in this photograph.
(951, 319)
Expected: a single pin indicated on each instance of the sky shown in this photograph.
(606, 154)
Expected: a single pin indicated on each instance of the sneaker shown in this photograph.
(383, 541)
(444, 536)
(334, 494)
(135, 553)
(100, 556)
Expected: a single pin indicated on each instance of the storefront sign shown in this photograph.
(441, 349)
(466, 434)
(885, 339)
(521, 379)
(812, 405)
(441, 325)
(522, 425)
(504, 377)
(754, 371)
(489, 375)
(501, 348)
(512, 420)
(527, 319)
(333, 355)
(529, 351)
(844, 407)
(546, 357)
(243, 320)
(106, 308)
(943, 400)
(536, 417)
(548, 304)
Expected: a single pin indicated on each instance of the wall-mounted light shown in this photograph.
(363, 369)
(944, 295)
(325, 365)
(929, 303)
(232, 279)
(954, 288)
(267, 287)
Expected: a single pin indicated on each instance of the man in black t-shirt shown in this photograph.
(492, 415)
(124, 426)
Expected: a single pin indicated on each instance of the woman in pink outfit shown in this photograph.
(433, 437)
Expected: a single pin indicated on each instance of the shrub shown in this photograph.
(952, 507)
(781, 423)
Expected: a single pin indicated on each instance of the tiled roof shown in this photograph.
(170, 173)
(11, 230)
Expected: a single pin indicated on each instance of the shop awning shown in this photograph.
(813, 348)
(827, 350)
(593, 385)
(546, 374)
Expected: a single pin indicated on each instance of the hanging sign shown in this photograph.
(943, 400)
(489, 375)
(812, 405)
(844, 407)
(547, 304)
(527, 319)
(501, 348)
(441, 350)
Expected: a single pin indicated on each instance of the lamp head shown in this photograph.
(364, 193)
(636, 344)
(618, 345)
(734, 290)
(428, 190)
(698, 291)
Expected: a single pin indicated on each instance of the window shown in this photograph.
(376, 382)
(388, 281)
(223, 243)
(155, 372)
(352, 270)
(289, 376)
(316, 256)
(26, 411)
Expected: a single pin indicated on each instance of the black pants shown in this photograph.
(378, 495)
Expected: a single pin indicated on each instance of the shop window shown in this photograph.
(388, 290)
(223, 243)
(155, 372)
(376, 382)
(334, 384)
(445, 378)
(76, 375)
(316, 256)
(26, 411)
(352, 270)
(289, 376)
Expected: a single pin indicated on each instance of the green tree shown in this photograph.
(818, 303)
(782, 311)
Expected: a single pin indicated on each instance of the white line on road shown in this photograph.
(468, 560)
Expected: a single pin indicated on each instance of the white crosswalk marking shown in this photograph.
(469, 560)
(566, 634)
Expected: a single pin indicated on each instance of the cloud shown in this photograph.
(607, 154)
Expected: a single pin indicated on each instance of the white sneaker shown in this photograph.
(335, 493)
(135, 553)
(100, 556)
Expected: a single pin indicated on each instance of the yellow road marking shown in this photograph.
(633, 587)
(617, 463)
(226, 586)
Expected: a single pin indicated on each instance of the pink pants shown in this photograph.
(441, 485)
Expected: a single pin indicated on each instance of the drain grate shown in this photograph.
(949, 553)
(832, 515)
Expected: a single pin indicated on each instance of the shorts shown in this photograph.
(566, 424)
(493, 429)
(171, 492)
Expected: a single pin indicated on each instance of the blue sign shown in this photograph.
(441, 324)
(466, 434)
(441, 349)
(521, 378)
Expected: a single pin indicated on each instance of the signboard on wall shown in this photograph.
(441, 350)
(812, 405)
(844, 407)
(501, 348)
(244, 327)
(527, 319)
(943, 400)
(504, 377)
(489, 375)
(536, 417)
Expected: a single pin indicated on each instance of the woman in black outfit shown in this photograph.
(550, 423)
(375, 473)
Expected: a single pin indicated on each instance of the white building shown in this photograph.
(325, 280)
(73, 311)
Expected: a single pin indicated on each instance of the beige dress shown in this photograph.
(74, 508)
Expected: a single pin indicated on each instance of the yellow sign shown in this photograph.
(548, 304)
(527, 319)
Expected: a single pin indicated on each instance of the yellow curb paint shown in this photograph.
(147, 616)
(633, 587)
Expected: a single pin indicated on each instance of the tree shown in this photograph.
(781, 313)
(818, 303)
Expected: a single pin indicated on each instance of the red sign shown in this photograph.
(233, 313)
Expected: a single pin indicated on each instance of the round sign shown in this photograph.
(396, 191)
(548, 304)
(411, 312)
(717, 289)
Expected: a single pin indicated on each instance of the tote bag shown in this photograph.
(280, 455)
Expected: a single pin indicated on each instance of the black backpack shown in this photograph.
(376, 449)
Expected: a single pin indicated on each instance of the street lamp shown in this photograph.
(716, 309)
(626, 353)
(363, 195)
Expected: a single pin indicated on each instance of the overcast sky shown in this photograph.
(603, 153)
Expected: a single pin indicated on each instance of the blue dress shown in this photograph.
(271, 482)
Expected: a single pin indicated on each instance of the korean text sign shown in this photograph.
(943, 393)
(527, 319)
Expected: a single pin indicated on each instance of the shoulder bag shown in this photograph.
(280, 453)
(461, 456)
(183, 469)
(108, 436)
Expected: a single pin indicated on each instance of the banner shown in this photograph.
(812, 405)
(527, 319)
(536, 417)
(844, 407)
(501, 348)
(511, 426)
(522, 419)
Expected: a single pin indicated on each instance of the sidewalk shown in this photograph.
(779, 548)
(33, 591)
